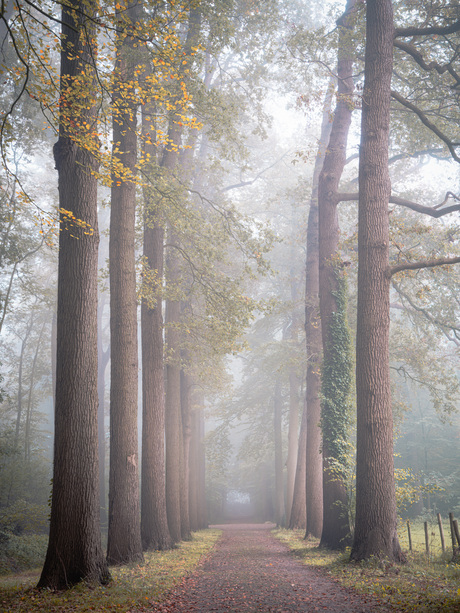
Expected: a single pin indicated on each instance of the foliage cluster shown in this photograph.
(336, 380)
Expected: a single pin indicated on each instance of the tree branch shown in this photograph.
(438, 30)
(424, 312)
(258, 175)
(424, 119)
(418, 57)
(434, 211)
(392, 270)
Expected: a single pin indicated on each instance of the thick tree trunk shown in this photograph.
(335, 533)
(375, 528)
(154, 523)
(124, 535)
(74, 549)
(298, 518)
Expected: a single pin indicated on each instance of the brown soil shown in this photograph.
(249, 570)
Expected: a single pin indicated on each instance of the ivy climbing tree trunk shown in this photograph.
(124, 535)
(74, 548)
(376, 522)
(313, 440)
(335, 533)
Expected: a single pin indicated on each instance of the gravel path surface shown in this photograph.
(249, 570)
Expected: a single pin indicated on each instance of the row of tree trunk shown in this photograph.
(163, 512)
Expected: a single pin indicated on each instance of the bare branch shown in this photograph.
(424, 119)
(424, 312)
(434, 211)
(438, 30)
(392, 270)
(258, 175)
(418, 57)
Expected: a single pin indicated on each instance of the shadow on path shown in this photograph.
(249, 570)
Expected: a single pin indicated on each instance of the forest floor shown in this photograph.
(244, 568)
(250, 570)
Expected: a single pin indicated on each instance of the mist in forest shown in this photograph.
(206, 128)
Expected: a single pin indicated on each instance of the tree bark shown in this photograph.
(186, 387)
(154, 523)
(74, 549)
(335, 533)
(124, 536)
(103, 360)
(173, 396)
(375, 528)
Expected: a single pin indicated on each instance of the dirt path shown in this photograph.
(249, 570)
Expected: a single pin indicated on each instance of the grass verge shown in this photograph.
(422, 585)
(133, 588)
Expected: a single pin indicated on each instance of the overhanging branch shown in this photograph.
(426, 122)
(392, 270)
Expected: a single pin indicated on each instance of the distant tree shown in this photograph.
(74, 550)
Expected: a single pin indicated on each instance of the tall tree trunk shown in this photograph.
(74, 549)
(298, 518)
(375, 528)
(124, 535)
(154, 523)
(293, 439)
(314, 458)
(200, 461)
(279, 481)
(24, 340)
(335, 533)
(28, 424)
(103, 360)
(173, 396)
(194, 463)
(185, 388)
(294, 384)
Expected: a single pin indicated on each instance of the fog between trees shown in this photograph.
(210, 214)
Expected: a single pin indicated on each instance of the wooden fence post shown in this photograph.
(452, 533)
(409, 535)
(427, 539)
(456, 532)
(441, 532)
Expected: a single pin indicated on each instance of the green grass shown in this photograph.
(135, 587)
(424, 585)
